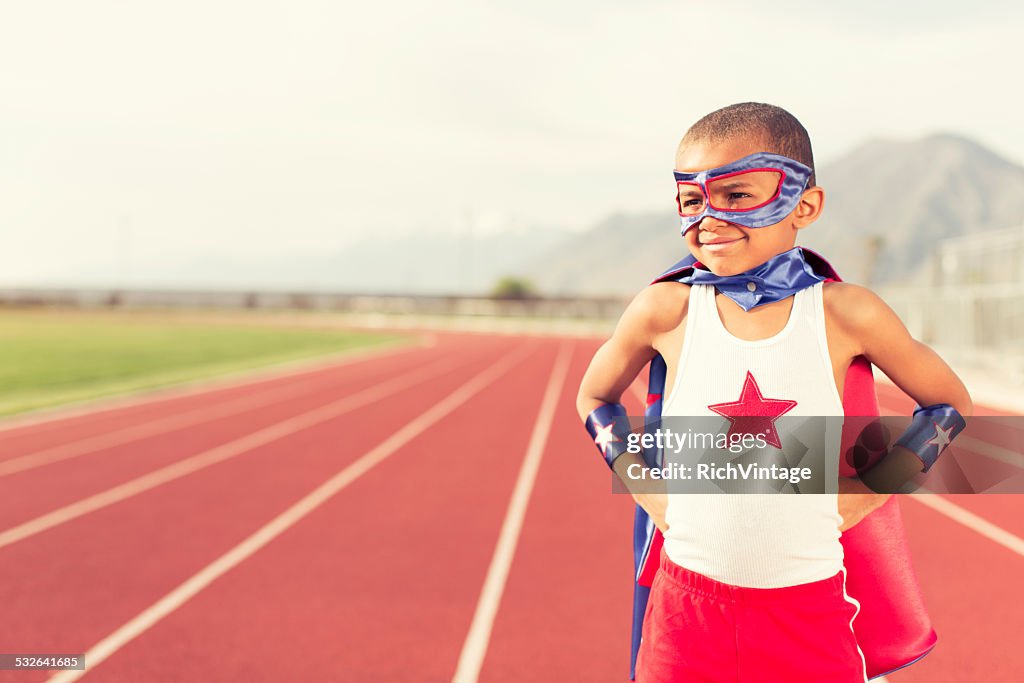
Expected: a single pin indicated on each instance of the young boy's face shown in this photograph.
(727, 248)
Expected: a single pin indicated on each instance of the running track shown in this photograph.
(432, 513)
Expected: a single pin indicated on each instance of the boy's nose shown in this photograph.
(712, 224)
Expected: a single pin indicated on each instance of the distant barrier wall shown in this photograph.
(555, 307)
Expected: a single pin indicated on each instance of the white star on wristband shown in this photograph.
(941, 438)
(605, 436)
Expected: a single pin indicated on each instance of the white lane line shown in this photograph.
(475, 646)
(970, 520)
(275, 527)
(1003, 455)
(191, 464)
(148, 429)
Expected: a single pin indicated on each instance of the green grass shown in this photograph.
(49, 358)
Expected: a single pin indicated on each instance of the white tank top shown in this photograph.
(755, 540)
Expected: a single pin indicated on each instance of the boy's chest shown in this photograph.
(760, 323)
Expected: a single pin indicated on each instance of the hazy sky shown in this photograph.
(138, 132)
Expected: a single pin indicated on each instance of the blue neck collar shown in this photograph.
(777, 278)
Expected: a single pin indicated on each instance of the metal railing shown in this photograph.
(987, 317)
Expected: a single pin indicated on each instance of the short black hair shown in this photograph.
(778, 129)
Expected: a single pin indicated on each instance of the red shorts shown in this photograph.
(699, 629)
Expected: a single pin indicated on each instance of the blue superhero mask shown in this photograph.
(756, 191)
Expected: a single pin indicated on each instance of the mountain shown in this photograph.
(618, 256)
(909, 195)
(891, 199)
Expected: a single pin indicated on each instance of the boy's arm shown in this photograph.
(654, 312)
(876, 332)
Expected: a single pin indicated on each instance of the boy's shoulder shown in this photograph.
(852, 306)
(657, 308)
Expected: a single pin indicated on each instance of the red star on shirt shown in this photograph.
(753, 413)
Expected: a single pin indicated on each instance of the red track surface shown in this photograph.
(381, 581)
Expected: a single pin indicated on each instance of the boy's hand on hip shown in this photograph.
(650, 494)
(655, 505)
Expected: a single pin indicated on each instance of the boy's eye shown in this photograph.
(738, 195)
(690, 204)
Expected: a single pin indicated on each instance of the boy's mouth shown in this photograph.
(719, 243)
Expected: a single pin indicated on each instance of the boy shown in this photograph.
(753, 587)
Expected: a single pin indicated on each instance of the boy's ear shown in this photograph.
(809, 208)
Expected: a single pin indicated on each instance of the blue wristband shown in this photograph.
(931, 430)
(608, 425)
